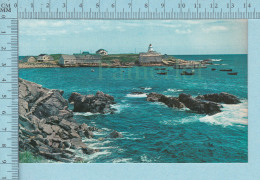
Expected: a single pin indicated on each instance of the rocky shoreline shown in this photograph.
(202, 104)
(47, 127)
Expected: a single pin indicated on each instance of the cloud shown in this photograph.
(187, 31)
(215, 29)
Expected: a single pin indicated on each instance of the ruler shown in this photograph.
(139, 9)
(8, 90)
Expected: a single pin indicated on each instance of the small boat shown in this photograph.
(160, 69)
(92, 70)
(188, 73)
(162, 73)
(235, 73)
(213, 69)
(225, 69)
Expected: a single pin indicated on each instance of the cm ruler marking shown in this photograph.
(9, 164)
(139, 9)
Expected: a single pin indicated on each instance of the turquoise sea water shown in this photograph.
(152, 131)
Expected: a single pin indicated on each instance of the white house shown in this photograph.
(44, 57)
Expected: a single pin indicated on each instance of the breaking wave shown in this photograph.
(85, 113)
(216, 59)
(235, 114)
(175, 90)
(136, 95)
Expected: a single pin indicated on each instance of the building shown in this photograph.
(29, 59)
(67, 60)
(44, 57)
(90, 59)
(102, 52)
(80, 60)
(150, 57)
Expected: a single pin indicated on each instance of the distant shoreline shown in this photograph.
(31, 66)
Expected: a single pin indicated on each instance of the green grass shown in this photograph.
(56, 56)
(123, 58)
(28, 157)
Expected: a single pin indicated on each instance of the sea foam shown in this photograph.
(175, 90)
(136, 95)
(235, 114)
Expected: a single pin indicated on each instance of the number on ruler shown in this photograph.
(232, 5)
(63, 5)
(32, 5)
(3, 64)
(247, 5)
(129, 5)
(4, 145)
(3, 112)
(3, 48)
(146, 5)
(3, 79)
(97, 5)
(213, 5)
(113, 5)
(81, 5)
(3, 96)
(162, 5)
(4, 129)
(181, 5)
(4, 161)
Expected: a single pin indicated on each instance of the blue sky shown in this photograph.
(175, 37)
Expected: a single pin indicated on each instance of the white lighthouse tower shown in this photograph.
(150, 48)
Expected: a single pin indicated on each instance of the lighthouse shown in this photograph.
(150, 48)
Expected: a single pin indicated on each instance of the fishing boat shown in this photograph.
(162, 73)
(160, 69)
(188, 73)
(225, 69)
(235, 73)
(213, 69)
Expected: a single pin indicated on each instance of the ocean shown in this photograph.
(153, 132)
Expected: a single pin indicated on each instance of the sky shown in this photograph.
(173, 37)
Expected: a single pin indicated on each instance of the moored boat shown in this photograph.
(213, 69)
(188, 73)
(225, 69)
(234, 73)
(162, 73)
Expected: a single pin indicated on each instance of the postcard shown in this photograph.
(143, 91)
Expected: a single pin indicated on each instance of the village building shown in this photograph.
(67, 60)
(44, 57)
(102, 52)
(29, 59)
(83, 59)
(150, 57)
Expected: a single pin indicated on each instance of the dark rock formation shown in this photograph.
(99, 103)
(169, 101)
(220, 98)
(115, 134)
(46, 125)
(199, 106)
(205, 104)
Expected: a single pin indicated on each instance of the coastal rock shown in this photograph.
(99, 103)
(199, 106)
(220, 98)
(46, 125)
(169, 101)
(115, 134)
